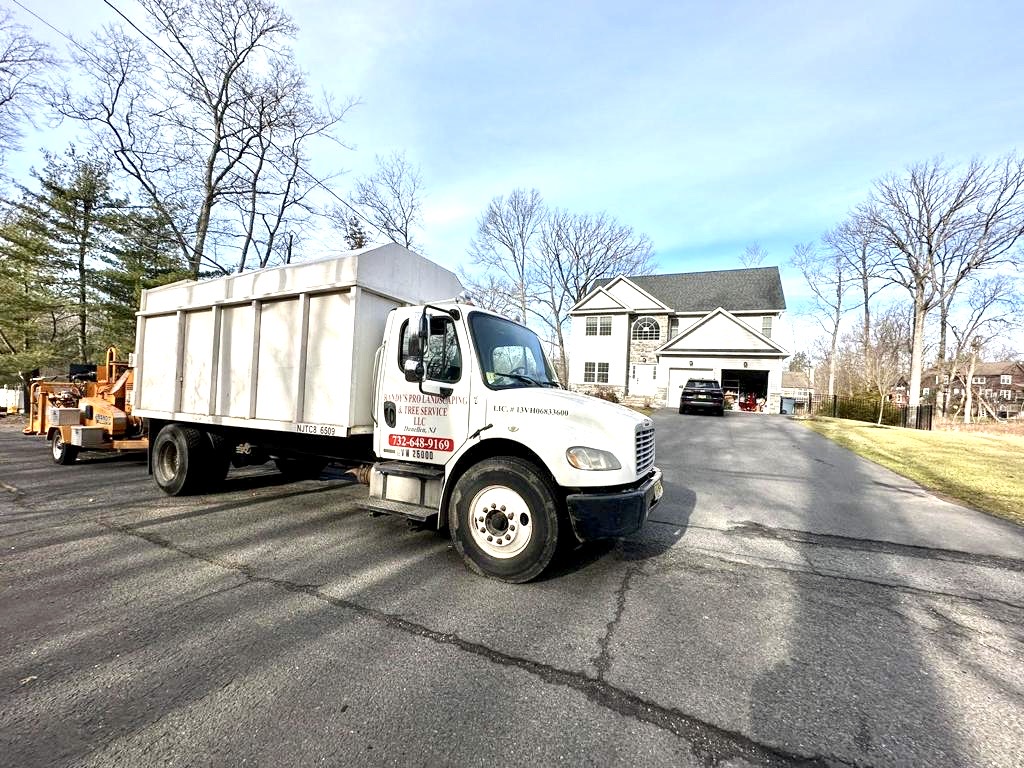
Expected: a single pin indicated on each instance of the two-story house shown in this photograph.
(644, 336)
(999, 384)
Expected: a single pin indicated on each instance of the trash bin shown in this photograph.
(788, 406)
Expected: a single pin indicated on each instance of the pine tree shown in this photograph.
(143, 254)
(355, 235)
(36, 330)
(72, 209)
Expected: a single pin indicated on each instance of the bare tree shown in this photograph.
(192, 119)
(856, 243)
(887, 353)
(503, 247)
(389, 200)
(753, 255)
(993, 309)
(24, 63)
(575, 251)
(936, 226)
(831, 280)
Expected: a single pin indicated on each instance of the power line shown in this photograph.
(354, 211)
(59, 32)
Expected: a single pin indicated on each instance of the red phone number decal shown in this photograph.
(422, 443)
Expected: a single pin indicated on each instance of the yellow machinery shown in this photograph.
(91, 413)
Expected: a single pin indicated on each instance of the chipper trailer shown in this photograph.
(88, 412)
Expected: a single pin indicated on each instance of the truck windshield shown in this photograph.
(510, 355)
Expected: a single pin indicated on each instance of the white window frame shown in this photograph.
(978, 380)
(647, 322)
(598, 325)
(1006, 394)
(595, 373)
(1006, 378)
(766, 326)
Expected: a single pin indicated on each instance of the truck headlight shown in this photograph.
(591, 458)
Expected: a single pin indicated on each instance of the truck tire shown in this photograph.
(504, 520)
(179, 460)
(62, 452)
(300, 469)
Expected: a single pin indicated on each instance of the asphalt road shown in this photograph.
(788, 604)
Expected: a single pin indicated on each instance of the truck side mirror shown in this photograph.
(424, 329)
(413, 369)
(415, 347)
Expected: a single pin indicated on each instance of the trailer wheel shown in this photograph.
(63, 453)
(504, 520)
(179, 454)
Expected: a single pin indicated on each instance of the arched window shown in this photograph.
(646, 329)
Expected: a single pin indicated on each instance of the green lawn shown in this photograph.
(979, 470)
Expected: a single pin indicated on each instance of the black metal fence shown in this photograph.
(866, 409)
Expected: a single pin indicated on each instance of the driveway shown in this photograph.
(788, 604)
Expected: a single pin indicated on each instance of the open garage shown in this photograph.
(743, 382)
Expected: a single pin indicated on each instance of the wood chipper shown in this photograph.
(89, 412)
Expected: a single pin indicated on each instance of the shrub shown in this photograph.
(605, 394)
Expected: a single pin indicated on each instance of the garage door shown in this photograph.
(677, 380)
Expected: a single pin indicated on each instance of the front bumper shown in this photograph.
(617, 513)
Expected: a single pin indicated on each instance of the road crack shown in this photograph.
(712, 745)
(603, 660)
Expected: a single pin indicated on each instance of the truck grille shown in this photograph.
(644, 449)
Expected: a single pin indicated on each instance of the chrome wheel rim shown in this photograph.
(500, 522)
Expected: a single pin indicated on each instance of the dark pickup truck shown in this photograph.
(703, 395)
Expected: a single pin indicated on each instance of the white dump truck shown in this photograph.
(370, 358)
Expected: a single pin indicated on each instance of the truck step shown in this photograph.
(411, 511)
(410, 469)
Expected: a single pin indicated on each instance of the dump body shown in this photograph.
(283, 349)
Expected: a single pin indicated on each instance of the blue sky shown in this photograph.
(704, 125)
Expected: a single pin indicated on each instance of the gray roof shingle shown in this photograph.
(736, 290)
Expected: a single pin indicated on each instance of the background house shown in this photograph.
(798, 387)
(644, 336)
(997, 385)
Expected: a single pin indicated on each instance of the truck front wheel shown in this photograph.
(178, 460)
(62, 452)
(504, 520)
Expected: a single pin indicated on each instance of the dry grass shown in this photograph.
(981, 470)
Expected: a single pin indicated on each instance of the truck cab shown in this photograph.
(475, 432)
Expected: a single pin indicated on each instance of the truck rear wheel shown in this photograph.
(62, 452)
(179, 454)
(504, 520)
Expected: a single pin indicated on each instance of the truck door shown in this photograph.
(428, 420)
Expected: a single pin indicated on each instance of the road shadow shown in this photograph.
(851, 680)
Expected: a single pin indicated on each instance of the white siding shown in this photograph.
(598, 349)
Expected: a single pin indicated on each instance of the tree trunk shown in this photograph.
(969, 395)
(832, 363)
(917, 349)
(83, 314)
